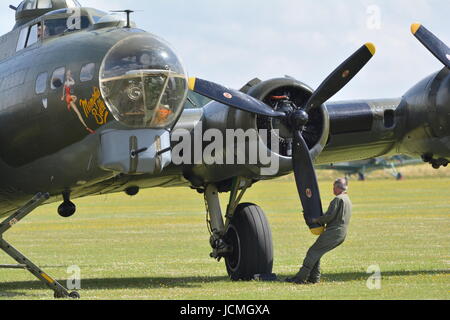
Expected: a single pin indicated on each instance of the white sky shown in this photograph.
(233, 41)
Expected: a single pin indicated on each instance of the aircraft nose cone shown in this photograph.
(143, 82)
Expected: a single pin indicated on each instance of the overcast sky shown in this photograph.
(233, 41)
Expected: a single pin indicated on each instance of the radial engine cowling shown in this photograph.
(275, 93)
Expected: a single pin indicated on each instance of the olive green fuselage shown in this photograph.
(45, 145)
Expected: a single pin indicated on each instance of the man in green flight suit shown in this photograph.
(336, 220)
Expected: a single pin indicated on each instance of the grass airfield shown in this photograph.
(155, 245)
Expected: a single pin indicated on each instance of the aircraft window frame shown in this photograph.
(41, 83)
(23, 41)
(30, 5)
(36, 4)
(34, 31)
(72, 4)
(42, 31)
(87, 72)
(96, 18)
(44, 4)
(20, 7)
(23, 38)
(61, 75)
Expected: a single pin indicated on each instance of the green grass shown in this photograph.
(155, 245)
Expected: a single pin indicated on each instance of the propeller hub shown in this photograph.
(283, 124)
(287, 107)
(299, 118)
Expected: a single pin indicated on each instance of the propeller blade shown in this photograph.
(340, 77)
(432, 43)
(232, 98)
(307, 186)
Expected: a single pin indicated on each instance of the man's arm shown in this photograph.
(330, 214)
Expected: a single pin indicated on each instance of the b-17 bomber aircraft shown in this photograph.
(90, 104)
(363, 167)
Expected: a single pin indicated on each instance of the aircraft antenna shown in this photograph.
(128, 12)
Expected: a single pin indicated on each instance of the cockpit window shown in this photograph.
(22, 42)
(72, 3)
(143, 82)
(33, 37)
(44, 4)
(35, 4)
(57, 26)
(30, 5)
(20, 7)
(29, 36)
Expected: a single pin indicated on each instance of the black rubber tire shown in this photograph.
(59, 295)
(251, 238)
(67, 209)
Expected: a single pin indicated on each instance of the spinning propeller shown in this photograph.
(295, 118)
(432, 43)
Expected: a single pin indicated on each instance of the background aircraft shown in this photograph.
(89, 105)
(363, 167)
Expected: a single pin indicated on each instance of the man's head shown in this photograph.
(340, 186)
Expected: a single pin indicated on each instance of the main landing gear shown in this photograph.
(244, 240)
(435, 163)
(23, 262)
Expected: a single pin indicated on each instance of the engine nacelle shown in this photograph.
(219, 117)
(425, 130)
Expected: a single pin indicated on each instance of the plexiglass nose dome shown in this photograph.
(143, 82)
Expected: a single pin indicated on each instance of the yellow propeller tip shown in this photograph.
(191, 83)
(415, 27)
(371, 48)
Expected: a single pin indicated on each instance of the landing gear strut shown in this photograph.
(361, 176)
(23, 262)
(245, 239)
